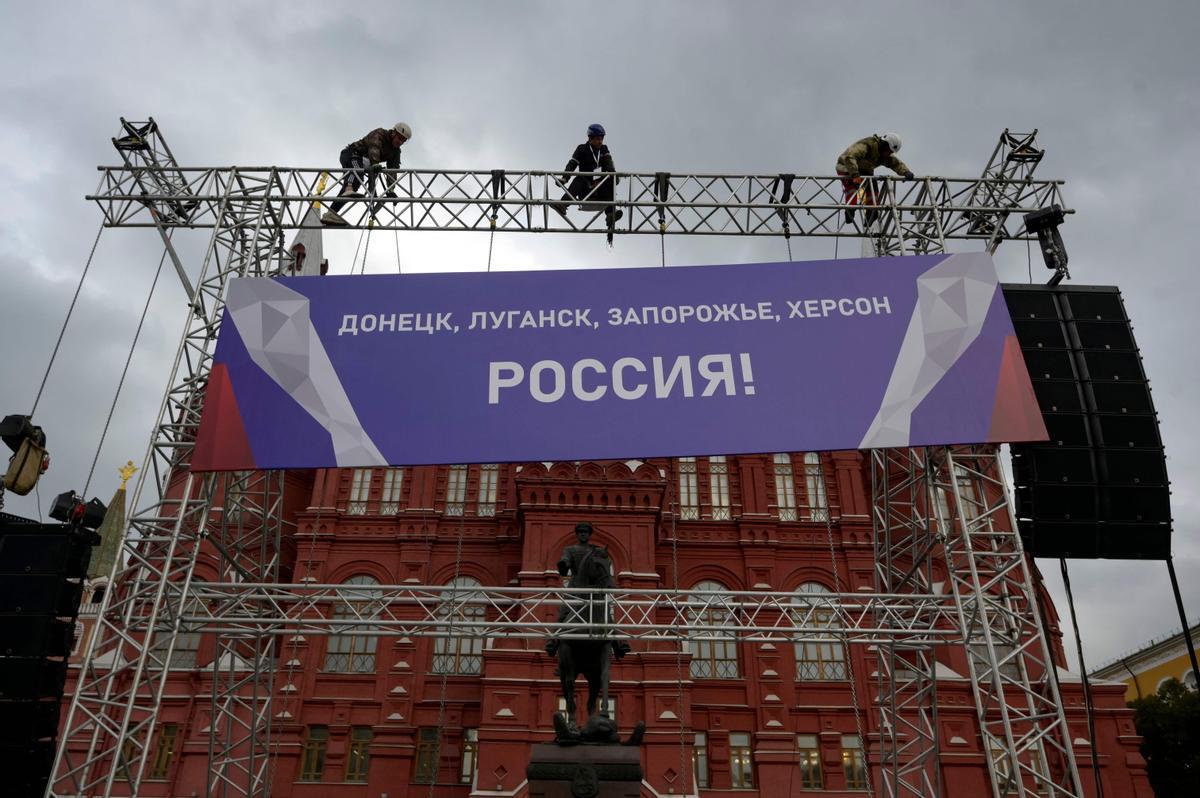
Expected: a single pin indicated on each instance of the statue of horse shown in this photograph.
(587, 656)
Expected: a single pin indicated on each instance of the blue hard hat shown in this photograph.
(595, 130)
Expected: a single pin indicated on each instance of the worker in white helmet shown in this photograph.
(860, 160)
(368, 156)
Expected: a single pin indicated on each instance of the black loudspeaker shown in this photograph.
(1098, 487)
(42, 567)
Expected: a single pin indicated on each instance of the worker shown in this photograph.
(593, 154)
(367, 157)
(860, 159)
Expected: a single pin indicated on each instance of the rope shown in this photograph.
(367, 246)
(399, 268)
(684, 771)
(662, 239)
(837, 586)
(354, 260)
(788, 239)
(62, 331)
(491, 238)
(1029, 260)
(121, 382)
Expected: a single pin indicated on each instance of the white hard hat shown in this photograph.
(403, 129)
(892, 140)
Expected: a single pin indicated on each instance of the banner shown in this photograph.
(614, 364)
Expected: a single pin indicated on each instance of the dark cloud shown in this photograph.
(681, 86)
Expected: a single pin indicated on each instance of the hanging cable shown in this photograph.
(662, 189)
(399, 268)
(367, 244)
(1083, 677)
(63, 330)
(837, 587)
(499, 185)
(357, 248)
(124, 371)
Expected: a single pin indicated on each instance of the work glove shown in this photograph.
(390, 194)
(376, 167)
(854, 175)
(908, 175)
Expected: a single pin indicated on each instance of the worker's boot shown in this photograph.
(849, 216)
(333, 218)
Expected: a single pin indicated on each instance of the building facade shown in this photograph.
(1145, 670)
(363, 715)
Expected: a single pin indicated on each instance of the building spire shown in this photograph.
(112, 529)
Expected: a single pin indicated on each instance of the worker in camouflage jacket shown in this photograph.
(593, 154)
(367, 157)
(861, 159)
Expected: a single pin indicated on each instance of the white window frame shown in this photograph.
(689, 490)
(814, 485)
(360, 491)
(718, 483)
(456, 490)
(389, 497)
(489, 480)
(785, 487)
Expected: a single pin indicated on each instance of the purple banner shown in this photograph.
(614, 364)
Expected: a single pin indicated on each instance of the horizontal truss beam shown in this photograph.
(924, 212)
(532, 612)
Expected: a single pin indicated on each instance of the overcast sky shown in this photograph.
(738, 87)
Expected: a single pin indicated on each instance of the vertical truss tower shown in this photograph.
(923, 507)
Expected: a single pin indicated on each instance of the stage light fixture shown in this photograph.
(1044, 223)
(70, 508)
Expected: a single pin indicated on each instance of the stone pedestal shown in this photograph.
(585, 771)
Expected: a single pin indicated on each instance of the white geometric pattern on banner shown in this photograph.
(273, 323)
(953, 299)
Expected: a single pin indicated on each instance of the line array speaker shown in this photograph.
(1098, 487)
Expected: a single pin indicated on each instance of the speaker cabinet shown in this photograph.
(1098, 487)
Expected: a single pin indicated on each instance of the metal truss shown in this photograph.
(532, 612)
(915, 216)
(108, 733)
(1021, 718)
(905, 543)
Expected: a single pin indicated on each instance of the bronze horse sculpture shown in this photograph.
(588, 656)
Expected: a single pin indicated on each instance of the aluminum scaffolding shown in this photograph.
(155, 596)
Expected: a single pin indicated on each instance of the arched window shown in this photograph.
(817, 660)
(1189, 679)
(349, 652)
(460, 649)
(714, 653)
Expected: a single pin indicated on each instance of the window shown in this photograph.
(689, 490)
(187, 642)
(470, 747)
(714, 653)
(127, 759)
(814, 484)
(456, 490)
(164, 751)
(718, 481)
(785, 488)
(1189, 680)
(427, 756)
(741, 771)
(1002, 766)
(460, 650)
(349, 652)
(312, 755)
(389, 499)
(811, 777)
(1006, 658)
(853, 764)
(488, 477)
(98, 594)
(358, 758)
(817, 660)
(360, 489)
(76, 638)
(700, 759)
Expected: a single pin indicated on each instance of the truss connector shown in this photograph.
(1022, 149)
(135, 138)
(499, 187)
(662, 189)
(783, 185)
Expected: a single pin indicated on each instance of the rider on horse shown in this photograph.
(572, 563)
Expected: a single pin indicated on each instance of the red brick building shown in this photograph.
(357, 715)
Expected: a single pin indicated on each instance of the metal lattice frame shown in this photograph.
(154, 591)
(905, 543)
(124, 670)
(920, 215)
(1021, 718)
